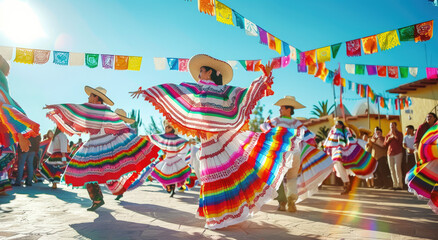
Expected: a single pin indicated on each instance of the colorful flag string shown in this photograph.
(63, 58)
(381, 70)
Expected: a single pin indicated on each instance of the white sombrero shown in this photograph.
(289, 101)
(123, 116)
(4, 66)
(197, 61)
(99, 91)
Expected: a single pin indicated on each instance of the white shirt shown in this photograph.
(58, 144)
(409, 141)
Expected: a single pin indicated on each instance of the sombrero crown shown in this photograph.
(100, 92)
(197, 61)
(123, 116)
(289, 101)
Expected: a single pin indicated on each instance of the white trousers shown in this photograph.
(394, 163)
(341, 171)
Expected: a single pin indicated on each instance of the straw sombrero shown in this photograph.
(99, 91)
(197, 61)
(166, 123)
(123, 116)
(289, 101)
(4, 66)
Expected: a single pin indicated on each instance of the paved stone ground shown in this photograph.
(38, 212)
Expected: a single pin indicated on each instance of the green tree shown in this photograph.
(257, 118)
(137, 117)
(322, 109)
(322, 134)
(153, 127)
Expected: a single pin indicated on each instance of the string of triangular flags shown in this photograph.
(382, 71)
(390, 71)
(363, 90)
(386, 40)
(91, 60)
(180, 64)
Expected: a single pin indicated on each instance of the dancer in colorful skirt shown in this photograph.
(7, 157)
(173, 170)
(55, 165)
(348, 156)
(15, 127)
(112, 150)
(130, 181)
(422, 180)
(310, 166)
(239, 170)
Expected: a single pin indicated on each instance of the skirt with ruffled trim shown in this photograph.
(107, 157)
(52, 172)
(130, 181)
(5, 163)
(172, 170)
(355, 160)
(240, 171)
(423, 182)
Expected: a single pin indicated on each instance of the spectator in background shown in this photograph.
(27, 157)
(35, 147)
(431, 118)
(394, 142)
(378, 150)
(408, 144)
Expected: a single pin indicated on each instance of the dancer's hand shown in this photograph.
(267, 69)
(137, 93)
(46, 107)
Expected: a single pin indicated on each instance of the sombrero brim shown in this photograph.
(197, 61)
(89, 90)
(289, 102)
(126, 119)
(4, 66)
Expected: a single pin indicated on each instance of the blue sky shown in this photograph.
(175, 28)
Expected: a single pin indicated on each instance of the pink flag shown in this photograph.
(431, 73)
(285, 60)
(353, 48)
(41, 56)
(182, 64)
(276, 63)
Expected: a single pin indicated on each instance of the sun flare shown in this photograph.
(19, 22)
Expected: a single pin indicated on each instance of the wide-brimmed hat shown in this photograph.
(123, 116)
(289, 101)
(197, 61)
(166, 123)
(365, 131)
(99, 91)
(4, 66)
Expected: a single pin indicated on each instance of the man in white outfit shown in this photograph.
(288, 191)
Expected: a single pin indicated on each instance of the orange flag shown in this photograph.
(206, 6)
(121, 62)
(322, 71)
(271, 41)
(369, 44)
(423, 31)
(311, 69)
(311, 57)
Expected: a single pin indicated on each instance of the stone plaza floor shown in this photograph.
(38, 212)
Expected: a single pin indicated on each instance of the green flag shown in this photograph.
(404, 72)
(407, 33)
(91, 60)
(335, 49)
(243, 62)
(360, 69)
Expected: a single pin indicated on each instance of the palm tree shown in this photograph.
(322, 134)
(257, 118)
(322, 110)
(153, 127)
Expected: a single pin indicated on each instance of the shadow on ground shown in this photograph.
(377, 210)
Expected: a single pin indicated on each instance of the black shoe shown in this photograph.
(95, 206)
(119, 196)
(172, 192)
(16, 185)
(398, 188)
(28, 184)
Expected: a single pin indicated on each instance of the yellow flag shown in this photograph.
(134, 63)
(388, 40)
(224, 14)
(24, 55)
(278, 45)
(324, 54)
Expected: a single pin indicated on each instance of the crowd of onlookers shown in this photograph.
(395, 153)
